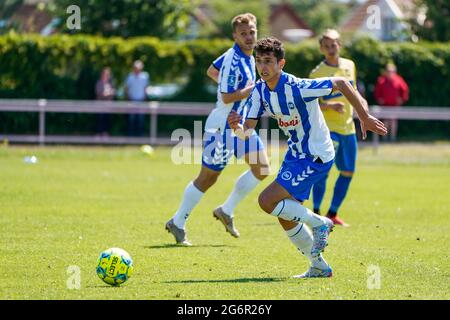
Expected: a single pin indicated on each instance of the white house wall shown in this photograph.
(387, 9)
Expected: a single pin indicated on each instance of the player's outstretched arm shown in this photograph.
(368, 122)
(243, 131)
(336, 106)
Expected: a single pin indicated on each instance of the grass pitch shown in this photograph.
(76, 202)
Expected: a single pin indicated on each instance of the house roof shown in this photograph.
(359, 15)
(30, 18)
(407, 7)
(288, 10)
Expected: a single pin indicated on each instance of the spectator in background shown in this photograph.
(391, 90)
(136, 85)
(104, 90)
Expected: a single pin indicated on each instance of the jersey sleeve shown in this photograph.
(229, 74)
(218, 62)
(316, 88)
(313, 73)
(254, 104)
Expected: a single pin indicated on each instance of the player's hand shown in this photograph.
(374, 125)
(337, 106)
(234, 119)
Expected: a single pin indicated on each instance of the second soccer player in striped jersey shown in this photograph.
(234, 71)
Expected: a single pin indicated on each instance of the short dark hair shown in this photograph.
(268, 45)
(244, 18)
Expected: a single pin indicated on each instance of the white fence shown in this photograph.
(154, 109)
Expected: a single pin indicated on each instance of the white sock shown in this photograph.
(244, 185)
(302, 239)
(291, 210)
(190, 199)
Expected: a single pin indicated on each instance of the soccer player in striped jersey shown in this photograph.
(234, 71)
(338, 114)
(293, 102)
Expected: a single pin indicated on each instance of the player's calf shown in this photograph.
(260, 171)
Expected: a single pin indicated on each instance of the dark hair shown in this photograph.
(245, 18)
(268, 45)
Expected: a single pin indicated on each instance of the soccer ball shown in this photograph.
(114, 266)
(148, 150)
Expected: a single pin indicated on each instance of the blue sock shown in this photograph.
(340, 190)
(318, 192)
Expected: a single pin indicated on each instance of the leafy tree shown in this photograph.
(7, 9)
(320, 15)
(224, 11)
(436, 26)
(127, 18)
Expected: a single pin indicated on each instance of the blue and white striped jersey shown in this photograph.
(236, 71)
(294, 104)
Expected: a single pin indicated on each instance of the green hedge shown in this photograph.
(67, 67)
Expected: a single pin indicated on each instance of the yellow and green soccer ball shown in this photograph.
(114, 266)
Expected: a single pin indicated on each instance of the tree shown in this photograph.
(436, 26)
(127, 18)
(7, 9)
(320, 15)
(224, 11)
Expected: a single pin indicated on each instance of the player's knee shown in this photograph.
(347, 174)
(205, 181)
(265, 203)
(210, 180)
(201, 185)
(261, 172)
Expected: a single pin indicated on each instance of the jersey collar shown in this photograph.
(238, 50)
(280, 85)
(331, 65)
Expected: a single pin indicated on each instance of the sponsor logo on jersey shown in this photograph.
(288, 123)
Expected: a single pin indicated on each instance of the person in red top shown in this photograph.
(391, 90)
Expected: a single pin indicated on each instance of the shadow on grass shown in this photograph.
(239, 280)
(172, 245)
(100, 286)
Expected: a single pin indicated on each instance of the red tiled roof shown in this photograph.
(359, 14)
(30, 18)
(289, 10)
(357, 17)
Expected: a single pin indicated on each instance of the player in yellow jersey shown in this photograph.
(338, 113)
